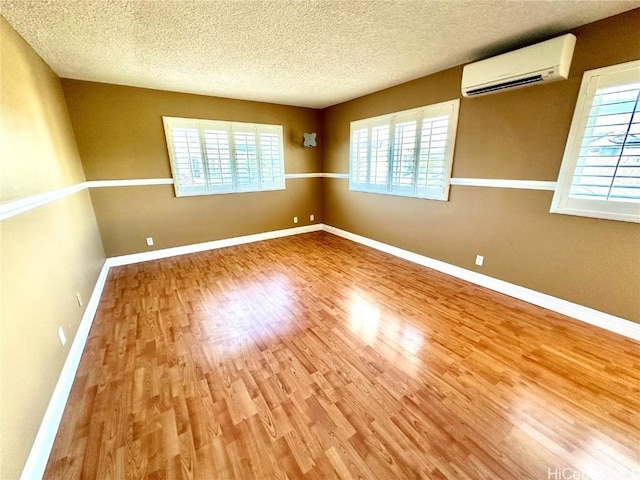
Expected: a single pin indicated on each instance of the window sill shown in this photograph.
(624, 217)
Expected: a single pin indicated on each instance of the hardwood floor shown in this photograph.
(315, 357)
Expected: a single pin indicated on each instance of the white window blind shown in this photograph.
(209, 156)
(405, 153)
(600, 172)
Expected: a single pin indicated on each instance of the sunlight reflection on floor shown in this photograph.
(593, 456)
(372, 325)
(263, 308)
(617, 465)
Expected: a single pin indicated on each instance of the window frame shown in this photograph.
(425, 114)
(232, 130)
(562, 203)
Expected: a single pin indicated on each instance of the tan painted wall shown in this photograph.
(519, 134)
(47, 254)
(128, 215)
(120, 136)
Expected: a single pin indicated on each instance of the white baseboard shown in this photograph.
(201, 247)
(588, 315)
(43, 443)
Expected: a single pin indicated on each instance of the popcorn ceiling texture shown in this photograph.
(304, 53)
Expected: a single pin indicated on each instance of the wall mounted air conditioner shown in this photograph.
(543, 62)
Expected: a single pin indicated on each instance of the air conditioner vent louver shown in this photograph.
(543, 62)
(501, 86)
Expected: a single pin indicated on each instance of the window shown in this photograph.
(210, 156)
(600, 172)
(406, 153)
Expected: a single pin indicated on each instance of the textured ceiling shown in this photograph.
(307, 53)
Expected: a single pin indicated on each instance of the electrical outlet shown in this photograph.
(79, 299)
(295, 219)
(312, 218)
(479, 260)
(150, 241)
(63, 339)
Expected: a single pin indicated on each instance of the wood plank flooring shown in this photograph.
(315, 357)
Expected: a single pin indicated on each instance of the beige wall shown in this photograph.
(47, 254)
(128, 215)
(120, 136)
(518, 134)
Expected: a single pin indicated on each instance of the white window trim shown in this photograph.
(562, 203)
(449, 108)
(200, 124)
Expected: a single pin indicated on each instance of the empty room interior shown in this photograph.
(320, 239)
